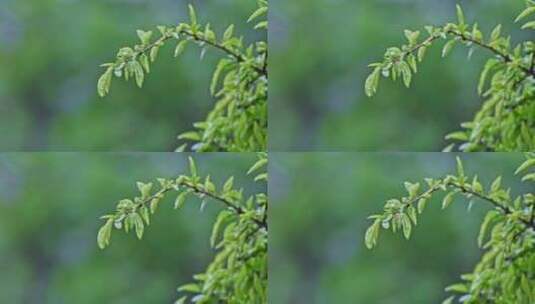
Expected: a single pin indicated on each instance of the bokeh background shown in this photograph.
(50, 204)
(320, 50)
(319, 208)
(50, 52)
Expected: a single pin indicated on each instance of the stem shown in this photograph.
(494, 202)
(504, 56)
(426, 42)
(506, 210)
(237, 209)
(237, 56)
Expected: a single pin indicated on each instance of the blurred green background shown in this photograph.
(50, 204)
(319, 208)
(50, 52)
(320, 50)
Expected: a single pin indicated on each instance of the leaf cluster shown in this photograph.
(238, 272)
(506, 119)
(238, 120)
(506, 271)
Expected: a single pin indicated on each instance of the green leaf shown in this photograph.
(181, 45)
(525, 13)
(421, 53)
(162, 29)
(412, 189)
(421, 205)
(476, 185)
(411, 211)
(372, 233)
(406, 73)
(259, 12)
(495, 186)
(406, 225)
(138, 72)
(482, 79)
(192, 14)
(181, 148)
(447, 200)
(221, 218)
(260, 177)
(261, 25)
(411, 36)
(209, 35)
(527, 287)
(104, 234)
(496, 33)
(144, 60)
(203, 52)
(154, 53)
(460, 169)
(449, 300)
(182, 300)
(144, 189)
(208, 185)
(448, 148)
(228, 32)
(529, 177)
(189, 288)
(447, 48)
(259, 164)
(144, 211)
(144, 36)
(192, 166)
(180, 199)
(223, 63)
(491, 215)
(104, 82)
(228, 184)
(529, 25)
(372, 82)
(460, 14)
(525, 165)
(460, 288)
(138, 224)
(191, 135)
(154, 205)
(460, 135)
(412, 62)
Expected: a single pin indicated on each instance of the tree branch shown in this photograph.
(504, 56)
(506, 210)
(237, 209)
(237, 56)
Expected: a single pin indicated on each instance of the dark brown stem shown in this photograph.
(237, 56)
(195, 188)
(505, 209)
(504, 56)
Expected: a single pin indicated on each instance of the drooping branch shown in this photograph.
(505, 57)
(506, 233)
(502, 123)
(201, 191)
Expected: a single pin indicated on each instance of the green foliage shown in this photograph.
(506, 271)
(238, 272)
(506, 120)
(238, 121)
